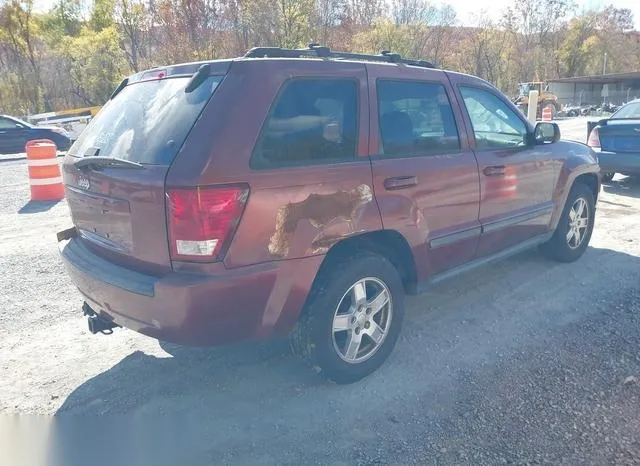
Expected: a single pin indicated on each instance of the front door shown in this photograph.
(516, 176)
(425, 175)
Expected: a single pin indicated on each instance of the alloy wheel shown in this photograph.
(362, 320)
(578, 223)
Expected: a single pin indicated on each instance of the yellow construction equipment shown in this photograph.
(546, 99)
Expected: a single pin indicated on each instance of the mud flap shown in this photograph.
(67, 234)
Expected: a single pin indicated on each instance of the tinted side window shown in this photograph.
(313, 121)
(495, 125)
(415, 119)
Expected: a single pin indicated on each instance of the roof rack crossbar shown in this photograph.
(315, 50)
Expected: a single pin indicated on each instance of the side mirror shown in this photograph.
(546, 133)
(19, 126)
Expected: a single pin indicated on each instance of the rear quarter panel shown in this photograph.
(293, 215)
(291, 212)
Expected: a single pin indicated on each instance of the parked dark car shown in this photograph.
(304, 192)
(14, 134)
(617, 141)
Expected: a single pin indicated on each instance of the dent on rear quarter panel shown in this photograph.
(292, 222)
(334, 216)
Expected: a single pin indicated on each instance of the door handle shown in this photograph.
(498, 170)
(400, 182)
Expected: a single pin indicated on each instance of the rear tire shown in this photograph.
(344, 332)
(573, 233)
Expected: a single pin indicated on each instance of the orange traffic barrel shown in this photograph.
(547, 114)
(503, 184)
(509, 187)
(45, 179)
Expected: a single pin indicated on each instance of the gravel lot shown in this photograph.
(523, 362)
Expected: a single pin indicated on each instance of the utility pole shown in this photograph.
(604, 64)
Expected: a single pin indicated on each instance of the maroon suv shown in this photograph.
(304, 192)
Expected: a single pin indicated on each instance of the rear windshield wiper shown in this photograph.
(99, 162)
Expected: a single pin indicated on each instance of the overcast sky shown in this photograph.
(493, 8)
(467, 15)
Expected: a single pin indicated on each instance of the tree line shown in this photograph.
(76, 53)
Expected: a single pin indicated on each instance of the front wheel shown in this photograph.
(575, 226)
(352, 318)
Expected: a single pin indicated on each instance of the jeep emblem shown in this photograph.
(83, 183)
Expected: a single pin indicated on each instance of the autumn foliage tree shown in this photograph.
(75, 53)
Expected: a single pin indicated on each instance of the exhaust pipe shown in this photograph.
(97, 323)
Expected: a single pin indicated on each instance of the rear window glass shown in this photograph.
(146, 122)
(631, 110)
(313, 121)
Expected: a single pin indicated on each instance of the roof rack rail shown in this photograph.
(316, 50)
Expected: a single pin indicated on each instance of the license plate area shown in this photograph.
(101, 219)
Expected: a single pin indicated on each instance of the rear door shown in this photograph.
(119, 211)
(516, 176)
(425, 175)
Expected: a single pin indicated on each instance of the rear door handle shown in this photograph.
(400, 182)
(498, 170)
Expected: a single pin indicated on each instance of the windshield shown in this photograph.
(146, 122)
(631, 110)
(524, 89)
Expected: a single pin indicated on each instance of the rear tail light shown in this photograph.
(594, 138)
(202, 220)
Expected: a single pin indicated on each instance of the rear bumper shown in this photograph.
(192, 309)
(610, 162)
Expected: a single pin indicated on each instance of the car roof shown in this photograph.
(337, 62)
(325, 53)
(12, 118)
(313, 53)
(17, 120)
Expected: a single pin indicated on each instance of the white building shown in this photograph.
(615, 88)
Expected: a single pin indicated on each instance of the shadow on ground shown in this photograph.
(138, 378)
(627, 186)
(35, 207)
